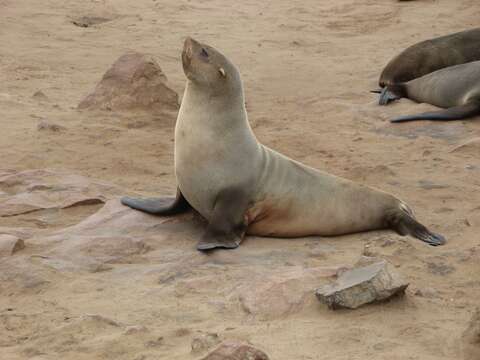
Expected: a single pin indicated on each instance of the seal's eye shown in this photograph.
(204, 53)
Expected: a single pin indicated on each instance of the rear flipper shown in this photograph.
(159, 206)
(454, 113)
(403, 222)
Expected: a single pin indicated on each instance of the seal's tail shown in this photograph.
(403, 222)
(453, 113)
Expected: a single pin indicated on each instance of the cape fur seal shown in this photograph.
(428, 56)
(456, 88)
(242, 187)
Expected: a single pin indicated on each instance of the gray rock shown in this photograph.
(236, 350)
(362, 285)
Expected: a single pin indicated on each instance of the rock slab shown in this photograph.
(362, 285)
(236, 350)
(10, 244)
(134, 82)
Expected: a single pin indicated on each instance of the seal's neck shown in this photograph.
(215, 97)
(220, 110)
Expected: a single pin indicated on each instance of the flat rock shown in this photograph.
(471, 338)
(283, 293)
(134, 82)
(10, 244)
(236, 350)
(362, 285)
(112, 235)
(31, 190)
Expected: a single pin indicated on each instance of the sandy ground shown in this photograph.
(307, 67)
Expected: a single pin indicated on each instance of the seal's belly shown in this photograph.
(299, 218)
(295, 201)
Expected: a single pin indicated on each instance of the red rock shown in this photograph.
(236, 350)
(282, 293)
(134, 82)
(31, 190)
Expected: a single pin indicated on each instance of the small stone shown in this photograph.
(135, 329)
(87, 21)
(100, 319)
(362, 285)
(45, 125)
(429, 185)
(182, 332)
(155, 343)
(204, 342)
(236, 350)
(40, 96)
(10, 244)
(428, 293)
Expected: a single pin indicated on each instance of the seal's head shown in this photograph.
(207, 67)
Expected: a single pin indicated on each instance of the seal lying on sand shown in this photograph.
(241, 186)
(428, 56)
(456, 88)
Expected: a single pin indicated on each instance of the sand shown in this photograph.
(308, 67)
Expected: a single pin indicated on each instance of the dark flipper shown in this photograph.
(386, 95)
(227, 225)
(377, 91)
(405, 224)
(159, 206)
(453, 113)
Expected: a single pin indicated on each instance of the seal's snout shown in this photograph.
(189, 46)
(188, 51)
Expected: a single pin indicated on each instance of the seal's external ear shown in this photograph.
(222, 72)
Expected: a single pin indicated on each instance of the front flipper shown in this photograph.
(453, 113)
(227, 225)
(387, 95)
(159, 206)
